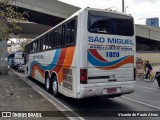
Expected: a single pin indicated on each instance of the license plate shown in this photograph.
(111, 90)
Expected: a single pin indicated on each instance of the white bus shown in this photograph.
(18, 59)
(92, 53)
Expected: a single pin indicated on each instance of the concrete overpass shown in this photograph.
(51, 12)
(148, 43)
(148, 32)
(30, 30)
(47, 12)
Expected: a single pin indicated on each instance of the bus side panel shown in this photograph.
(65, 72)
(39, 63)
(59, 61)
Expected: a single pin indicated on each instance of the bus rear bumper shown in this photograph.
(106, 89)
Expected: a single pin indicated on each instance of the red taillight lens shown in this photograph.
(83, 76)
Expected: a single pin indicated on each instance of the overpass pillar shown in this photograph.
(3, 58)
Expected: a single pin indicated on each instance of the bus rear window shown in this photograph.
(110, 23)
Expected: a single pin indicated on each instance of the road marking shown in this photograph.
(147, 88)
(141, 102)
(44, 94)
(59, 105)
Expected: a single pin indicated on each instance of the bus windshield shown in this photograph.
(110, 23)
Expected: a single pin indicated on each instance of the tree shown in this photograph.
(9, 16)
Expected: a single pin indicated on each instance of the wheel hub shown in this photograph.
(47, 83)
(54, 86)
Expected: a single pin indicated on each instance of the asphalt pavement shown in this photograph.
(16, 95)
(22, 96)
(145, 98)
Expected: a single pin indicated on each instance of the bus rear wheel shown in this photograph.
(55, 86)
(48, 83)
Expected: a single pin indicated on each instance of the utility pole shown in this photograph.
(123, 6)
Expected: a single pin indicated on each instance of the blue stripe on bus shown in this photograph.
(51, 65)
(99, 63)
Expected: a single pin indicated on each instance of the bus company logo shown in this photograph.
(38, 57)
(6, 114)
(98, 39)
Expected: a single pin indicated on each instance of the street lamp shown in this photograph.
(123, 6)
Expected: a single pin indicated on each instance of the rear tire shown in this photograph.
(55, 86)
(48, 83)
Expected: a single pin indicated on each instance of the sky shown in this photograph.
(139, 9)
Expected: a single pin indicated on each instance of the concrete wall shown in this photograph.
(142, 31)
(148, 32)
(154, 58)
(3, 58)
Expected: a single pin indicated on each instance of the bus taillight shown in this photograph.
(83, 76)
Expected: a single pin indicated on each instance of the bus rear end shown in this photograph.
(18, 58)
(109, 53)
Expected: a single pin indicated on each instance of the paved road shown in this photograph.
(145, 98)
(17, 96)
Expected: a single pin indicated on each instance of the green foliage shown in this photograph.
(9, 16)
